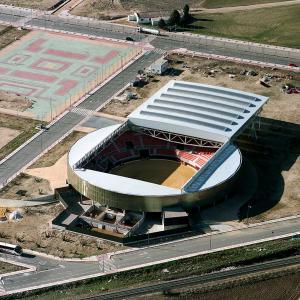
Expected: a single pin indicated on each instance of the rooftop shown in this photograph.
(199, 110)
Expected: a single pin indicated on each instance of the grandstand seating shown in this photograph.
(118, 151)
(186, 156)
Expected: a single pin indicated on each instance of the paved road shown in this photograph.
(204, 243)
(191, 42)
(164, 42)
(198, 279)
(51, 271)
(65, 124)
(168, 43)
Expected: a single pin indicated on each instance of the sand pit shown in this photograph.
(160, 171)
(7, 134)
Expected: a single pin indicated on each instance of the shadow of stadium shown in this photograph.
(269, 149)
(273, 149)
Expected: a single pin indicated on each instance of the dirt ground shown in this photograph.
(40, 4)
(104, 9)
(165, 172)
(25, 187)
(33, 232)
(10, 34)
(56, 175)
(7, 134)
(280, 106)
(13, 101)
(112, 9)
(25, 127)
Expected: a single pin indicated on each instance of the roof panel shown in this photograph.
(204, 111)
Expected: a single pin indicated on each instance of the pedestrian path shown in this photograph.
(11, 203)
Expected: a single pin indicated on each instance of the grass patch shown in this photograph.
(10, 34)
(228, 3)
(187, 267)
(26, 126)
(276, 26)
(6, 267)
(53, 155)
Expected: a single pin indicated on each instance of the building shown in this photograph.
(187, 125)
(142, 18)
(159, 67)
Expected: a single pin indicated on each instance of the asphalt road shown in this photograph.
(161, 42)
(105, 29)
(65, 124)
(204, 243)
(50, 271)
(199, 279)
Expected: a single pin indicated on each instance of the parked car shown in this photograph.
(292, 65)
(130, 39)
(41, 127)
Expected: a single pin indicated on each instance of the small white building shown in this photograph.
(142, 18)
(131, 18)
(159, 67)
(154, 21)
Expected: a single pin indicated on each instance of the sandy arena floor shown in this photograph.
(160, 171)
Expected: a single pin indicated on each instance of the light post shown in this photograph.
(51, 115)
(210, 237)
(248, 210)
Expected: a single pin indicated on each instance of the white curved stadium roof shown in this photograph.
(198, 110)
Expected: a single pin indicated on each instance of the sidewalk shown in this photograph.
(11, 203)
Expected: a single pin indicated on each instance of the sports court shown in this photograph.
(160, 171)
(54, 70)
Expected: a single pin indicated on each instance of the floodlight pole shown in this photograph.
(51, 109)
(248, 209)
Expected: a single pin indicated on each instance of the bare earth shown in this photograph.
(33, 187)
(165, 172)
(56, 175)
(33, 232)
(7, 134)
(280, 106)
(13, 101)
(36, 4)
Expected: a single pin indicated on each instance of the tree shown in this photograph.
(161, 23)
(186, 15)
(186, 10)
(174, 18)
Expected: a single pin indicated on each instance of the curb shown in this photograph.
(206, 235)
(234, 59)
(139, 266)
